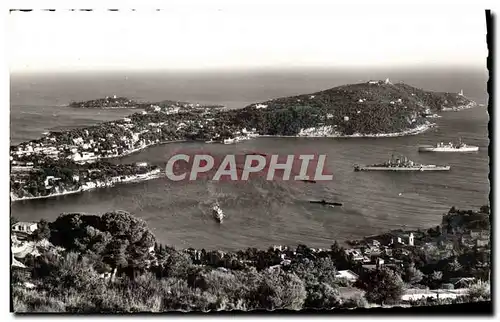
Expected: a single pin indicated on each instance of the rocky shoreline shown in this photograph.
(460, 107)
(322, 132)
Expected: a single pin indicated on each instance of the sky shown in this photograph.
(225, 37)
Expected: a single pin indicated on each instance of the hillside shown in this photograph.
(374, 107)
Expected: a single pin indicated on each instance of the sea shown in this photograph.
(263, 213)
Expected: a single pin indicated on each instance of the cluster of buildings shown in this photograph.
(154, 125)
(130, 134)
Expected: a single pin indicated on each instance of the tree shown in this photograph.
(93, 240)
(175, 264)
(453, 266)
(122, 225)
(42, 231)
(322, 296)
(434, 279)
(312, 272)
(412, 275)
(67, 229)
(70, 273)
(485, 209)
(179, 296)
(280, 290)
(437, 275)
(115, 255)
(480, 291)
(335, 248)
(381, 286)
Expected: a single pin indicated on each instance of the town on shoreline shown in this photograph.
(71, 161)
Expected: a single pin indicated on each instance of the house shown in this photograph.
(25, 227)
(462, 282)
(348, 275)
(480, 234)
(369, 267)
(403, 239)
(355, 254)
(482, 243)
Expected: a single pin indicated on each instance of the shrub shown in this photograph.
(480, 291)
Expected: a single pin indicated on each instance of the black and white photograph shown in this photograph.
(223, 158)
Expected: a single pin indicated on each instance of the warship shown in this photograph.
(450, 147)
(401, 164)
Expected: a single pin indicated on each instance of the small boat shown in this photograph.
(218, 213)
(326, 203)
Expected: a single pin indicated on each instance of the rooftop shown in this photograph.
(24, 223)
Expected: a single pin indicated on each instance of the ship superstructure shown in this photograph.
(401, 163)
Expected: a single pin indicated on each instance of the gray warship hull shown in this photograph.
(403, 169)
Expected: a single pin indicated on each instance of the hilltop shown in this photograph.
(374, 107)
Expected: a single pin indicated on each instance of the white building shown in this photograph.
(348, 275)
(78, 140)
(25, 227)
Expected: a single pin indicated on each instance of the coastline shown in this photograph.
(155, 174)
(105, 108)
(460, 107)
(129, 152)
(418, 130)
(415, 131)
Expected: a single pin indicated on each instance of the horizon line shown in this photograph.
(221, 69)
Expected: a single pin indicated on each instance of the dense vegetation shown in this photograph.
(357, 108)
(112, 263)
(108, 102)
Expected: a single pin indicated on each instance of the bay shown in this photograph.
(262, 213)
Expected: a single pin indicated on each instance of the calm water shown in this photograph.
(261, 213)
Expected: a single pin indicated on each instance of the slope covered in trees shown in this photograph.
(364, 108)
(111, 263)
